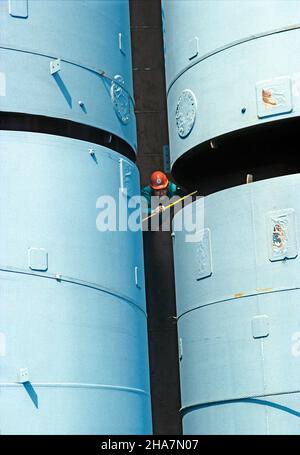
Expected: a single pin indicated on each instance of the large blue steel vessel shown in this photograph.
(232, 67)
(238, 311)
(60, 58)
(73, 327)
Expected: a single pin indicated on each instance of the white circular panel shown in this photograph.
(120, 99)
(186, 112)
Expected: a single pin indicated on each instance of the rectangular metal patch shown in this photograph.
(260, 326)
(203, 256)
(193, 47)
(38, 259)
(18, 8)
(282, 240)
(274, 97)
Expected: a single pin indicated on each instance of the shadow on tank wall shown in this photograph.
(265, 151)
(12, 121)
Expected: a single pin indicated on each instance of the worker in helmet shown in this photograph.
(159, 186)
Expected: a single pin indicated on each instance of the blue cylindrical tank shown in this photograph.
(229, 66)
(232, 76)
(73, 330)
(73, 305)
(69, 60)
(237, 306)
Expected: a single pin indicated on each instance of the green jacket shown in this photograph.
(147, 192)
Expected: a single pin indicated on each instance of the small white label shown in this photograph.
(2, 84)
(55, 66)
(23, 375)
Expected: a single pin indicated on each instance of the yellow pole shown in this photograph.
(170, 205)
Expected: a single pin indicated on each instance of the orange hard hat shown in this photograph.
(159, 180)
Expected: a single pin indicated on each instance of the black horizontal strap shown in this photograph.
(67, 128)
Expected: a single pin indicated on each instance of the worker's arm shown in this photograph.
(175, 190)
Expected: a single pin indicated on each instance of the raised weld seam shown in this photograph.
(73, 281)
(190, 407)
(78, 385)
(99, 72)
(228, 46)
(227, 299)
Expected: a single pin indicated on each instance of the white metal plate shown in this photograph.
(282, 240)
(185, 113)
(274, 97)
(260, 326)
(38, 259)
(18, 8)
(203, 263)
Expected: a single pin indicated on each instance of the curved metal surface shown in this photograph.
(72, 311)
(230, 58)
(237, 304)
(73, 327)
(271, 415)
(86, 356)
(59, 183)
(88, 44)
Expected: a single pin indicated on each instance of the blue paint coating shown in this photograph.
(82, 336)
(227, 359)
(84, 35)
(230, 56)
(73, 327)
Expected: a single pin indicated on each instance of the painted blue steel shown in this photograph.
(79, 326)
(73, 325)
(90, 38)
(238, 324)
(221, 52)
(86, 353)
